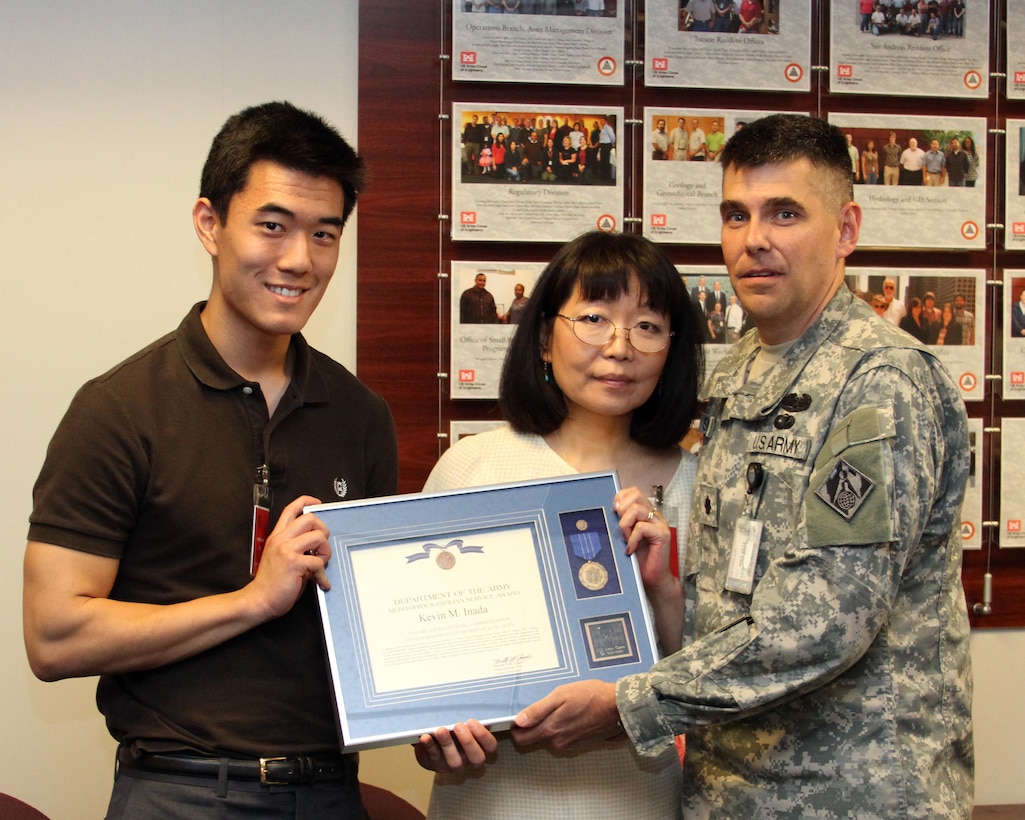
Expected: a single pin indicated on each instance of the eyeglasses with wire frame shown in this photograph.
(595, 330)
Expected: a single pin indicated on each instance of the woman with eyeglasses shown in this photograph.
(602, 374)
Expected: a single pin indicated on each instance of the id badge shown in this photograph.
(261, 517)
(740, 576)
(261, 520)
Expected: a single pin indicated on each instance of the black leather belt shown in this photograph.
(270, 771)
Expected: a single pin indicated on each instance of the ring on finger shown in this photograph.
(651, 514)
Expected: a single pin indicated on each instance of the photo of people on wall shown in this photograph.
(687, 138)
(730, 16)
(936, 310)
(1016, 323)
(548, 8)
(924, 18)
(723, 321)
(538, 148)
(913, 156)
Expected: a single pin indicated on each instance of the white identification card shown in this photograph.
(741, 575)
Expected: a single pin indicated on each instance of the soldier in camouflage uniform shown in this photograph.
(826, 666)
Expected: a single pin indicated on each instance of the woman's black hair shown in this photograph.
(603, 266)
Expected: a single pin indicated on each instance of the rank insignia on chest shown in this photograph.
(710, 418)
(845, 490)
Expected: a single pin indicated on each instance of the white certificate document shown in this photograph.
(478, 614)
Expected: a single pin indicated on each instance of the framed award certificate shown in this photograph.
(476, 603)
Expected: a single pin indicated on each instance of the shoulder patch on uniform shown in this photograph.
(846, 489)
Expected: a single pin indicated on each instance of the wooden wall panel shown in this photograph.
(397, 330)
(404, 85)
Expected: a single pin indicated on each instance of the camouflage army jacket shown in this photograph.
(841, 685)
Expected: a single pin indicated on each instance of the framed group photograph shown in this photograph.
(682, 171)
(1012, 475)
(900, 50)
(1013, 343)
(944, 308)
(538, 41)
(722, 318)
(921, 181)
(535, 173)
(487, 301)
(755, 44)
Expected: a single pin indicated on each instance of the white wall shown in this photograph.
(107, 110)
(998, 657)
(106, 113)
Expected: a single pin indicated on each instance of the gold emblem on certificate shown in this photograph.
(445, 559)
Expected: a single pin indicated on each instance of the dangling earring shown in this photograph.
(546, 370)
